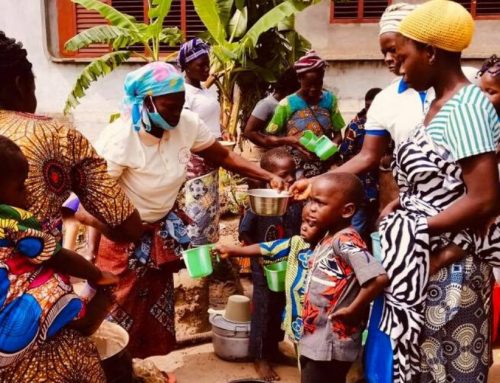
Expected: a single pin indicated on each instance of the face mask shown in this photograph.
(158, 120)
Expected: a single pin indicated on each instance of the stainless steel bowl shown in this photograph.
(268, 202)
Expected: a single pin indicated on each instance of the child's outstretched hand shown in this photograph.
(223, 251)
(107, 279)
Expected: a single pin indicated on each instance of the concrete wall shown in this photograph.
(352, 50)
(354, 54)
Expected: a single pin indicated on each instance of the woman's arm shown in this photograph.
(229, 160)
(480, 203)
(253, 131)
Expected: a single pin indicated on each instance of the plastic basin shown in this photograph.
(376, 248)
(198, 261)
(325, 148)
(275, 275)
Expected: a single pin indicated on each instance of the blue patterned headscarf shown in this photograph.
(154, 79)
(191, 50)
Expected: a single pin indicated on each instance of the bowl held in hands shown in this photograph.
(268, 202)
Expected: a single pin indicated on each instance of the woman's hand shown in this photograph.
(301, 189)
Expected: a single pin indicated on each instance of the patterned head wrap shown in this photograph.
(154, 79)
(393, 15)
(311, 61)
(443, 24)
(491, 66)
(191, 50)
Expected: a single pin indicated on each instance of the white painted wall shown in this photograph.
(352, 50)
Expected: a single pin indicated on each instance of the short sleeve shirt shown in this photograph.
(152, 170)
(61, 160)
(265, 108)
(339, 265)
(467, 125)
(397, 110)
(204, 102)
(265, 229)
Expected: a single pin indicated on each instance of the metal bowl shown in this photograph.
(268, 202)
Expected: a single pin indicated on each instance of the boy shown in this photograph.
(343, 279)
(351, 145)
(296, 251)
(265, 332)
(36, 301)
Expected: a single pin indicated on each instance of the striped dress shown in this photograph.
(439, 326)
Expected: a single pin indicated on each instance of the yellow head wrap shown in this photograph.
(441, 23)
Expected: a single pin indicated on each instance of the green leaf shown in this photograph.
(101, 34)
(98, 68)
(157, 13)
(171, 36)
(270, 20)
(114, 117)
(238, 23)
(225, 7)
(208, 12)
(115, 17)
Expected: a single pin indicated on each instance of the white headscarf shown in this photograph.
(393, 15)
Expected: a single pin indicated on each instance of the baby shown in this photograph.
(36, 298)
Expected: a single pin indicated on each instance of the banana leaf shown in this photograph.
(101, 34)
(224, 7)
(207, 11)
(98, 68)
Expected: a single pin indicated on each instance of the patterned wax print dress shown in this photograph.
(293, 116)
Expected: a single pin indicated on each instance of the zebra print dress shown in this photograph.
(439, 327)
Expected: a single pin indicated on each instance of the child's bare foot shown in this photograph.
(265, 370)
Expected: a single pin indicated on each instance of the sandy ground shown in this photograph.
(200, 364)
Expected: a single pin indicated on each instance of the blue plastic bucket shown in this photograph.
(376, 248)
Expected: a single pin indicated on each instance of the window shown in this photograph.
(369, 11)
(482, 9)
(73, 18)
(358, 11)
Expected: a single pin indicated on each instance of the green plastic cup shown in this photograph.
(275, 275)
(308, 140)
(325, 148)
(198, 261)
(376, 249)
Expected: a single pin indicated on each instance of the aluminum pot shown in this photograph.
(268, 202)
(230, 340)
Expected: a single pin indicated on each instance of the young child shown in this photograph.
(265, 332)
(351, 145)
(296, 251)
(343, 279)
(35, 301)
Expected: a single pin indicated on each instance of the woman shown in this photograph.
(393, 113)
(147, 151)
(200, 196)
(256, 125)
(448, 178)
(311, 108)
(60, 160)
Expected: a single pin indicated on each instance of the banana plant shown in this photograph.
(250, 48)
(122, 33)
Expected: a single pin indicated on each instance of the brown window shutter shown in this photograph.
(135, 8)
(194, 26)
(487, 8)
(358, 11)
